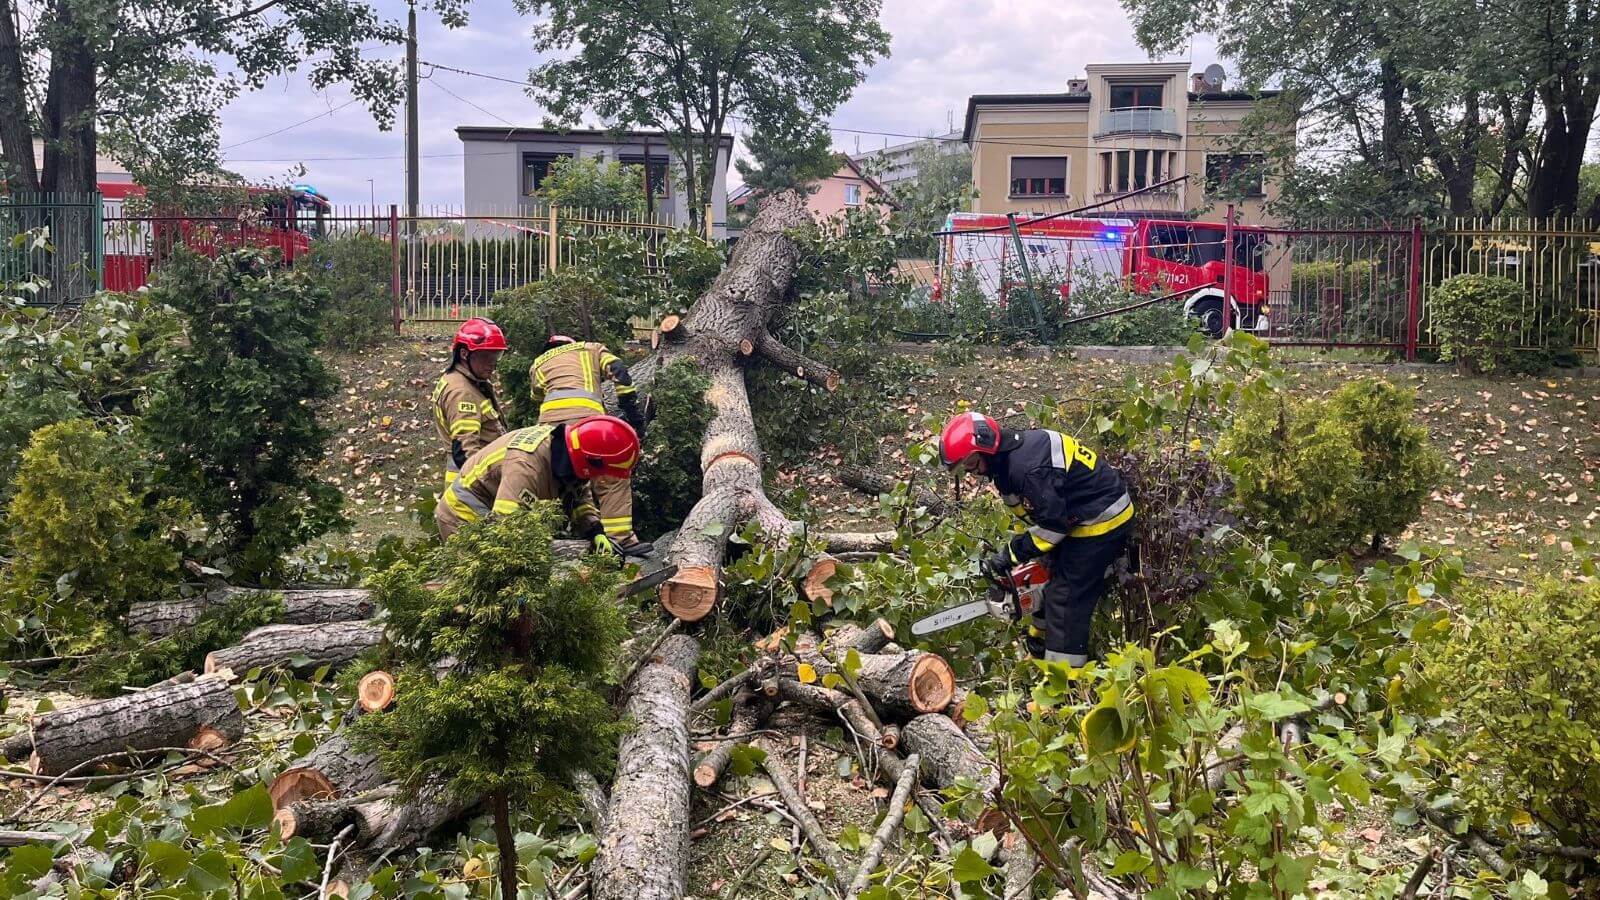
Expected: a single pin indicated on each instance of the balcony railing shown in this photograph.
(1139, 120)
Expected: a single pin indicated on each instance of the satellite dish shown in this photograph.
(1213, 76)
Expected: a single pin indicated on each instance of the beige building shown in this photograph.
(1125, 127)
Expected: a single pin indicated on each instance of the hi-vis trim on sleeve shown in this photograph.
(1058, 449)
(1119, 512)
(618, 525)
(464, 503)
(465, 426)
(1064, 451)
(504, 507)
(1044, 538)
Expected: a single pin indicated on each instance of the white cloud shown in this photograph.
(942, 52)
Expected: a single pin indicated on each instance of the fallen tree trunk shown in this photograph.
(17, 747)
(891, 823)
(644, 853)
(334, 769)
(876, 483)
(381, 818)
(312, 606)
(947, 755)
(306, 647)
(858, 541)
(728, 319)
(860, 638)
(201, 713)
(899, 685)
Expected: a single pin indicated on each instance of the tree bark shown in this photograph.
(644, 853)
(946, 753)
(891, 822)
(334, 769)
(17, 747)
(736, 309)
(815, 836)
(876, 483)
(16, 135)
(858, 541)
(383, 821)
(203, 711)
(159, 618)
(862, 639)
(899, 685)
(331, 645)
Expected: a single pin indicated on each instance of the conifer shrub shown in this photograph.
(355, 271)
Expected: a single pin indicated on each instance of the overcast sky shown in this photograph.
(942, 51)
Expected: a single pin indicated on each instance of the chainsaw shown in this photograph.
(1011, 596)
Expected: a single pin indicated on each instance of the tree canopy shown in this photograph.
(688, 67)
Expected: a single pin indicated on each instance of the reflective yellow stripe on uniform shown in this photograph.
(465, 426)
(462, 502)
(1115, 515)
(618, 525)
(503, 507)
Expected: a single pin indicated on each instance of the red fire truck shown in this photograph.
(1150, 256)
(135, 241)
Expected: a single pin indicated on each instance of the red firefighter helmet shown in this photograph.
(966, 434)
(602, 445)
(479, 334)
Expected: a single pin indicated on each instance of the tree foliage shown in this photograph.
(797, 157)
(354, 271)
(666, 483)
(1476, 319)
(922, 204)
(688, 67)
(86, 539)
(594, 184)
(233, 425)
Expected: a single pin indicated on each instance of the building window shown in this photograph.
(1135, 96)
(1236, 174)
(535, 168)
(1038, 176)
(852, 195)
(657, 171)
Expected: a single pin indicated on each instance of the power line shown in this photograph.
(320, 115)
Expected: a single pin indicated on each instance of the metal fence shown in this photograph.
(67, 264)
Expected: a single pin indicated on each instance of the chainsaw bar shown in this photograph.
(951, 617)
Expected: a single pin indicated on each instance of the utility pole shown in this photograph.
(411, 118)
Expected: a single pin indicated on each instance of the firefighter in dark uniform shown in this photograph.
(1075, 511)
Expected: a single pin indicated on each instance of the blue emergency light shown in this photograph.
(1109, 235)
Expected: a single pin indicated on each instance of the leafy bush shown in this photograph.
(354, 271)
(135, 660)
(1295, 473)
(520, 706)
(589, 183)
(1515, 682)
(666, 483)
(1399, 466)
(1161, 324)
(234, 424)
(96, 363)
(85, 539)
(1476, 320)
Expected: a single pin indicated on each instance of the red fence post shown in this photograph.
(1414, 291)
(394, 261)
(1227, 272)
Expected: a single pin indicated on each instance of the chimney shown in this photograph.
(1077, 85)
(1197, 83)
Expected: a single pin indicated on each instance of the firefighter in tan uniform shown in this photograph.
(566, 384)
(545, 462)
(464, 407)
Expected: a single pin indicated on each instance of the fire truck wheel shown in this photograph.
(1208, 314)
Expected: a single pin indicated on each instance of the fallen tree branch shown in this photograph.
(782, 356)
(877, 483)
(731, 892)
(199, 715)
(801, 814)
(747, 717)
(301, 606)
(891, 822)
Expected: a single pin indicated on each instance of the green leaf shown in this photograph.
(297, 861)
(1131, 862)
(210, 871)
(975, 708)
(250, 809)
(1104, 730)
(852, 664)
(30, 861)
(1274, 705)
(744, 759)
(167, 859)
(969, 866)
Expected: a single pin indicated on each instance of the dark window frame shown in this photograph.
(1038, 185)
(1226, 173)
(1137, 95)
(660, 171)
(542, 159)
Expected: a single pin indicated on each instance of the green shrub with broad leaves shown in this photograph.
(86, 538)
(521, 704)
(233, 424)
(1328, 475)
(355, 272)
(1514, 684)
(1477, 319)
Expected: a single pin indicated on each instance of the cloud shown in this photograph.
(942, 51)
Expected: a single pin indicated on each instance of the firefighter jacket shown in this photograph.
(566, 383)
(516, 470)
(1057, 488)
(466, 415)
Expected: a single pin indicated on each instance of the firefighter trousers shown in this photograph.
(1078, 578)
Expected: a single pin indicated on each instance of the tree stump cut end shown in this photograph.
(299, 784)
(705, 776)
(284, 819)
(375, 691)
(933, 683)
(691, 594)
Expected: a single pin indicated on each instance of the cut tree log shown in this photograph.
(734, 312)
(899, 685)
(858, 541)
(748, 714)
(381, 818)
(16, 747)
(644, 853)
(314, 645)
(876, 483)
(947, 755)
(332, 770)
(310, 606)
(814, 586)
(199, 714)
(860, 638)
(375, 691)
